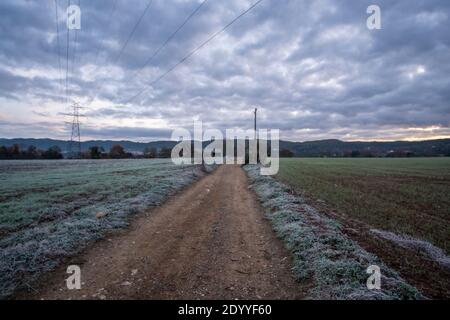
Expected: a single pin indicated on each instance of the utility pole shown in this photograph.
(75, 137)
(256, 109)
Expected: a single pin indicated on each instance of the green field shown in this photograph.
(409, 196)
(52, 209)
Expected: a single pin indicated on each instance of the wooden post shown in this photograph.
(256, 109)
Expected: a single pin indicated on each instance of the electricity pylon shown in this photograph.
(74, 149)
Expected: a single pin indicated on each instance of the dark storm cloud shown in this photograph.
(312, 67)
(128, 133)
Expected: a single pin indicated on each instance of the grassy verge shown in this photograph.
(321, 251)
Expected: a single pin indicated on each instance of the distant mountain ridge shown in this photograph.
(330, 148)
(338, 148)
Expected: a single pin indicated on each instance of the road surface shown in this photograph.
(210, 241)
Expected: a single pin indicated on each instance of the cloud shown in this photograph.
(312, 67)
(141, 134)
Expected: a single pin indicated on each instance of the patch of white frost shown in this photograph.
(434, 253)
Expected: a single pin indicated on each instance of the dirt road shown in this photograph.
(210, 241)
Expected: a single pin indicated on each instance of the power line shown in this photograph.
(67, 56)
(76, 44)
(133, 31)
(157, 51)
(57, 41)
(75, 137)
(122, 50)
(97, 53)
(113, 10)
(193, 52)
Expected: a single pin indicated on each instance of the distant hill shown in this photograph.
(329, 148)
(338, 148)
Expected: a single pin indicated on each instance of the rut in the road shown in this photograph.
(209, 241)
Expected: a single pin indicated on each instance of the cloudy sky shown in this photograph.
(312, 67)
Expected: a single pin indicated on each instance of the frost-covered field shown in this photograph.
(321, 251)
(52, 209)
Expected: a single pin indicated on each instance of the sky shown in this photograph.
(311, 67)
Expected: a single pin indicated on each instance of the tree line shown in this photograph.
(118, 152)
(15, 152)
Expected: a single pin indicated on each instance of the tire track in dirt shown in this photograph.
(210, 241)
